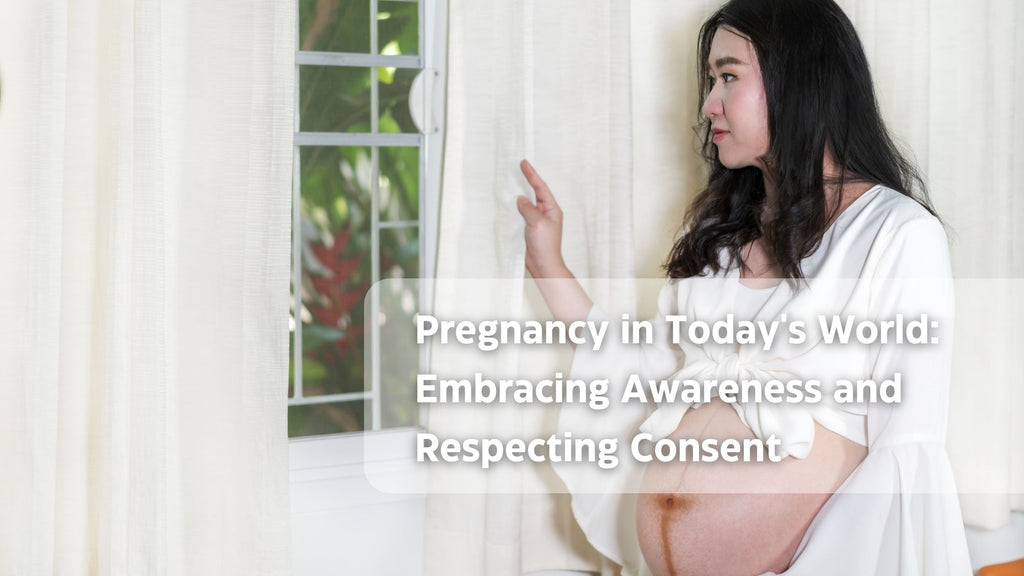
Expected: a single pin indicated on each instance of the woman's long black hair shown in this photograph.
(819, 94)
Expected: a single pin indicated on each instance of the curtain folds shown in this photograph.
(547, 81)
(145, 169)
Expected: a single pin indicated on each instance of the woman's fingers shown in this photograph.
(545, 199)
(531, 213)
(543, 230)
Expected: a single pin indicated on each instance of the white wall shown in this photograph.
(341, 524)
(997, 546)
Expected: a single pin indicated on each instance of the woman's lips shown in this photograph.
(718, 135)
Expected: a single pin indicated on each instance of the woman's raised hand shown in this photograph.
(543, 228)
(564, 295)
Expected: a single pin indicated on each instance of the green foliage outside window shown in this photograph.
(336, 202)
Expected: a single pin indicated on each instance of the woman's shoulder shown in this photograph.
(903, 235)
(880, 226)
(882, 214)
(883, 205)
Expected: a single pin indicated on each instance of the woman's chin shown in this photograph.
(730, 162)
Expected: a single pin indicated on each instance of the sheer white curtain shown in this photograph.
(547, 81)
(949, 76)
(145, 166)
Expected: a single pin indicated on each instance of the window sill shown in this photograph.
(339, 471)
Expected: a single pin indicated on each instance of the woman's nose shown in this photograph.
(712, 107)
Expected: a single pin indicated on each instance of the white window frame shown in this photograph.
(343, 456)
(432, 45)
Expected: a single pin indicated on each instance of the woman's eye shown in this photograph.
(726, 77)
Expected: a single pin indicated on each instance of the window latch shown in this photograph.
(425, 99)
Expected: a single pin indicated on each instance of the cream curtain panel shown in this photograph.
(547, 81)
(145, 166)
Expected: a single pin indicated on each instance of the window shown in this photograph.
(365, 205)
(365, 200)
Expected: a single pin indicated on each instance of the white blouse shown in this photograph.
(884, 258)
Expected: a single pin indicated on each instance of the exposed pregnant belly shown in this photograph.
(739, 519)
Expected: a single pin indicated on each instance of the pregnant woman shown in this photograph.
(807, 195)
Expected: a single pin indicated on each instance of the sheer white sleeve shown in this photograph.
(898, 512)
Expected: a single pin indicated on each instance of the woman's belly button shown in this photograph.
(743, 518)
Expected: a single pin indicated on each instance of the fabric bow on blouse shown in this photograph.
(792, 424)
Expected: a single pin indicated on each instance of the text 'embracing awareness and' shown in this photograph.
(643, 447)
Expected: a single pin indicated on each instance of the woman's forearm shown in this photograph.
(564, 295)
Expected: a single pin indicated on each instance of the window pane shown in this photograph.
(398, 27)
(394, 87)
(336, 266)
(399, 183)
(330, 418)
(334, 25)
(399, 252)
(399, 364)
(334, 99)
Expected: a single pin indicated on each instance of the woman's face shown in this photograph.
(736, 104)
